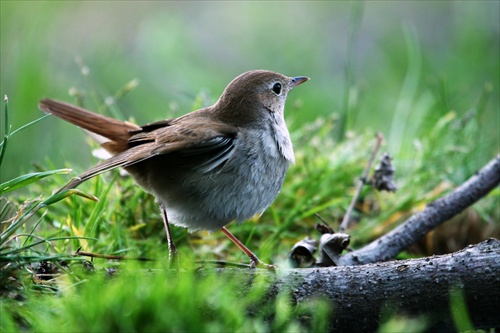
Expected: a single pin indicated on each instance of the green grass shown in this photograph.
(429, 93)
(138, 300)
(125, 221)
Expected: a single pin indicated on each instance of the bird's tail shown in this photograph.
(114, 130)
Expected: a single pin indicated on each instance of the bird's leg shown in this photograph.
(172, 250)
(254, 260)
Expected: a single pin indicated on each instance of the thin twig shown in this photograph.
(320, 218)
(362, 181)
(223, 263)
(107, 256)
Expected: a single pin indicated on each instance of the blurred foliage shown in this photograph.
(425, 74)
(137, 300)
(391, 68)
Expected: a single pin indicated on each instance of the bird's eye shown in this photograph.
(277, 88)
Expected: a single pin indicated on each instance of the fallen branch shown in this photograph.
(436, 213)
(363, 296)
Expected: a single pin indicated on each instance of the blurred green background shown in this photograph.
(394, 67)
(425, 74)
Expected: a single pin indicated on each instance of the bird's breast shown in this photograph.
(245, 186)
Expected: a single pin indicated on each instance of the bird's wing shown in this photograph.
(204, 143)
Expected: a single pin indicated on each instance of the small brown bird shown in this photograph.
(209, 167)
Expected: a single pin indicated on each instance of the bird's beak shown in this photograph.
(297, 80)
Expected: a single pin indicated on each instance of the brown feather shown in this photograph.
(115, 130)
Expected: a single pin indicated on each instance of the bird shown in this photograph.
(222, 163)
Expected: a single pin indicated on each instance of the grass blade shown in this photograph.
(27, 179)
(3, 144)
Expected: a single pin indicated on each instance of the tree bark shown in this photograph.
(364, 295)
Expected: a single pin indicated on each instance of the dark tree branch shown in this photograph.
(362, 295)
(436, 213)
